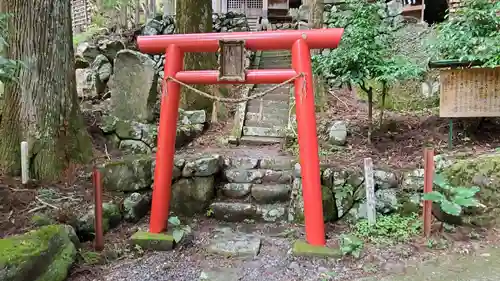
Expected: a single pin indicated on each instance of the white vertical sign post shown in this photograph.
(370, 191)
(25, 174)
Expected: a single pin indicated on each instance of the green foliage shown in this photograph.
(364, 52)
(90, 257)
(452, 199)
(389, 229)
(180, 230)
(8, 67)
(472, 34)
(351, 245)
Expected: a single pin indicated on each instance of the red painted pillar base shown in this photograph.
(308, 145)
(428, 182)
(166, 142)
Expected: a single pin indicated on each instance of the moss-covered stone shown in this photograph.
(296, 210)
(302, 248)
(483, 171)
(136, 206)
(128, 174)
(153, 241)
(44, 254)
(192, 195)
(111, 217)
(41, 220)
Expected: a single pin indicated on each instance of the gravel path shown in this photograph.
(481, 266)
(274, 262)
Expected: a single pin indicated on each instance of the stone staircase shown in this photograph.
(266, 119)
(253, 189)
(253, 23)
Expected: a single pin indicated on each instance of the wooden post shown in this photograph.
(168, 7)
(153, 8)
(137, 12)
(124, 14)
(428, 182)
(25, 168)
(145, 8)
(370, 192)
(217, 8)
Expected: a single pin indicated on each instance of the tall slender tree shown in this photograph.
(42, 106)
(195, 16)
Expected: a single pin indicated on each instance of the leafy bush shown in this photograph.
(351, 245)
(452, 199)
(472, 34)
(8, 67)
(365, 51)
(179, 230)
(389, 229)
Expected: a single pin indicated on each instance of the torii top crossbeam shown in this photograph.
(270, 40)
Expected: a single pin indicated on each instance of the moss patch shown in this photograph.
(43, 254)
(153, 241)
(58, 269)
(483, 171)
(302, 248)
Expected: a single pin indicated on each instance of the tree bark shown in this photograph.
(42, 108)
(316, 8)
(315, 17)
(153, 7)
(195, 16)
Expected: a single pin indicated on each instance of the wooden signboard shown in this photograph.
(232, 61)
(471, 92)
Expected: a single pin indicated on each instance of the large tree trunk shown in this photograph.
(316, 8)
(43, 107)
(315, 17)
(195, 16)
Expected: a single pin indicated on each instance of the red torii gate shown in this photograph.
(300, 42)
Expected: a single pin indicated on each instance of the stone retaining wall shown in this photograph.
(251, 189)
(120, 87)
(266, 189)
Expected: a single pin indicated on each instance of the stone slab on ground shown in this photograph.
(478, 267)
(227, 242)
(302, 248)
(153, 241)
(220, 274)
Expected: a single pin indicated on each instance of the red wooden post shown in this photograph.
(300, 41)
(308, 144)
(428, 182)
(99, 233)
(169, 105)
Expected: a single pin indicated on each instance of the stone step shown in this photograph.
(258, 193)
(259, 176)
(281, 110)
(266, 54)
(267, 120)
(276, 131)
(275, 65)
(275, 96)
(275, 162)
(256, 140)
(268, 103)
(236, 211)
(283, 90)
